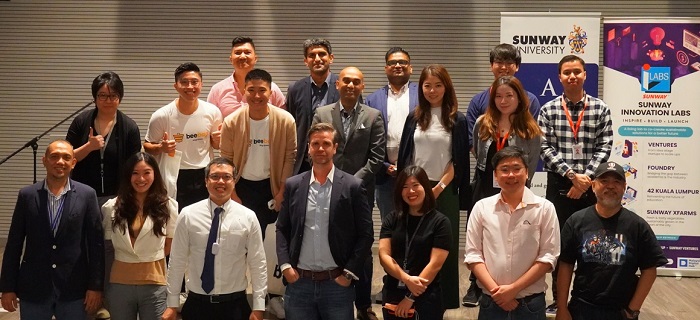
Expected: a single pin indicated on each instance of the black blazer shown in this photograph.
(299, 105)
(351, 234)
(73, 260)
(460, 154)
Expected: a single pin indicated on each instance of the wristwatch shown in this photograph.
(347, 276)
(442, 185)
(571, 175)
(633, 313)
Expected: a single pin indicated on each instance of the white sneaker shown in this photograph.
(276, 306)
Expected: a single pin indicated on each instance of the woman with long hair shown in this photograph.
(507, 122)
(414, 242)
(140, 223)
(435, 138)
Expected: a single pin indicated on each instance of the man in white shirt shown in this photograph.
(216, 240)
(512, 242)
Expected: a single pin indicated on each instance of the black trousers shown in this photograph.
(255, 195)
(190, 187)
(197, 308)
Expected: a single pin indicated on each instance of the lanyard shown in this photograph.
(500, 143)
(409, 242)
(575, 128)
(55, 217)
(102, 151)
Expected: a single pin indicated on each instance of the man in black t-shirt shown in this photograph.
(609, 243)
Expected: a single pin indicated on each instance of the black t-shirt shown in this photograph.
(434, 232)
(608, 253)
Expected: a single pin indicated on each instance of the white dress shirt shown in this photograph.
(240, 247)
(510, 243)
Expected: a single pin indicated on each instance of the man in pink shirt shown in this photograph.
(512, 243)
(228, 94)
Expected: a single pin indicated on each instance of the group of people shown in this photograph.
(310, 166)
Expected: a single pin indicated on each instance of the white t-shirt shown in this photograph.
(192, 133)
(433, 147)
(397, 110)
(257, 166)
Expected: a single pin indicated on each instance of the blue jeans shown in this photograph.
(63, 310)
(529, 308)
(584, 311)
(309, 300)
(384, 193)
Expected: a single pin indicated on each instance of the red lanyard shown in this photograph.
(501, 142)
(574, 129)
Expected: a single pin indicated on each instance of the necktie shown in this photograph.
(208, 270)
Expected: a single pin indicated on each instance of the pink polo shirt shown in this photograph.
(225, 95)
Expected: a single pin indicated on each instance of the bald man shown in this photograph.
(361, 150)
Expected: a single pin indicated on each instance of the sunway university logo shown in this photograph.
(655, 79)
(578, 39)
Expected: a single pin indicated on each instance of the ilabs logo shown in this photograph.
(577, 39)
(655, 79)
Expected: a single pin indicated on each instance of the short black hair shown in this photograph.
(509, 152)
(112, 81)
(570, 58)
(219, 161)
(186, 67)
(241, 40)
(258, 74)
(505, 52)
(315, 42)
(395, 50)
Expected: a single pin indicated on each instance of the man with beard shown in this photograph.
(577, 137)
(606, 285)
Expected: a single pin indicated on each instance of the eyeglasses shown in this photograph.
(217, 177)
(401, 63)
(507, 170)
(111, 97)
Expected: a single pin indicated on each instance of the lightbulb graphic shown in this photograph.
(657, 34)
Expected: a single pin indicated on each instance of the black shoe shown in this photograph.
(471, 299)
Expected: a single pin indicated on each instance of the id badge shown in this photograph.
(578, 151)
(215, 248)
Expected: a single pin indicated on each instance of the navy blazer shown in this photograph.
(378, 100)
(72, 260)
(460, 154)
(351, 233)
(299, 105)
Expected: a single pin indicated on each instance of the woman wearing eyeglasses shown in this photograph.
(140, 223)
(103, 138)
(435, 138)
(414, 242)
(507, 122)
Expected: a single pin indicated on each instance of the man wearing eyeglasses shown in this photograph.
(216, 241)
(189, 128)
(260, 139)
(512, 243)
(505, 61)
(395, 101)
(308, 93)
(229, 94)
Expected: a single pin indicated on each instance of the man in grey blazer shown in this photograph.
(361, 150)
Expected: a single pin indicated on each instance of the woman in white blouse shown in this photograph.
(140, 223)
(435, 138)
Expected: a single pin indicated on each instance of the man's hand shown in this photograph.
(391, 170)
(403, 307)
(291, 275)
(416, 285)
(169, 314)
(216, 137)
(574, 193)
(503, 294)
(278, 201)
(510, 305)
(582, 181)
(342, 281)
(256, 315)
(167, 146)
(93, 301)
(563, 313)
(437, 190)
(9, 301)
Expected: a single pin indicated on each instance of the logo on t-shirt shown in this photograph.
(604, 247)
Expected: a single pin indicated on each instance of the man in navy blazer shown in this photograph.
(309, 93)
(58, 222)
(395, 101)
(324, 234)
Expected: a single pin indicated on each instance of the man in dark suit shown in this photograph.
(395, 101)
(324, 234)
(361, 150)
(309, 93)
(60, 272)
